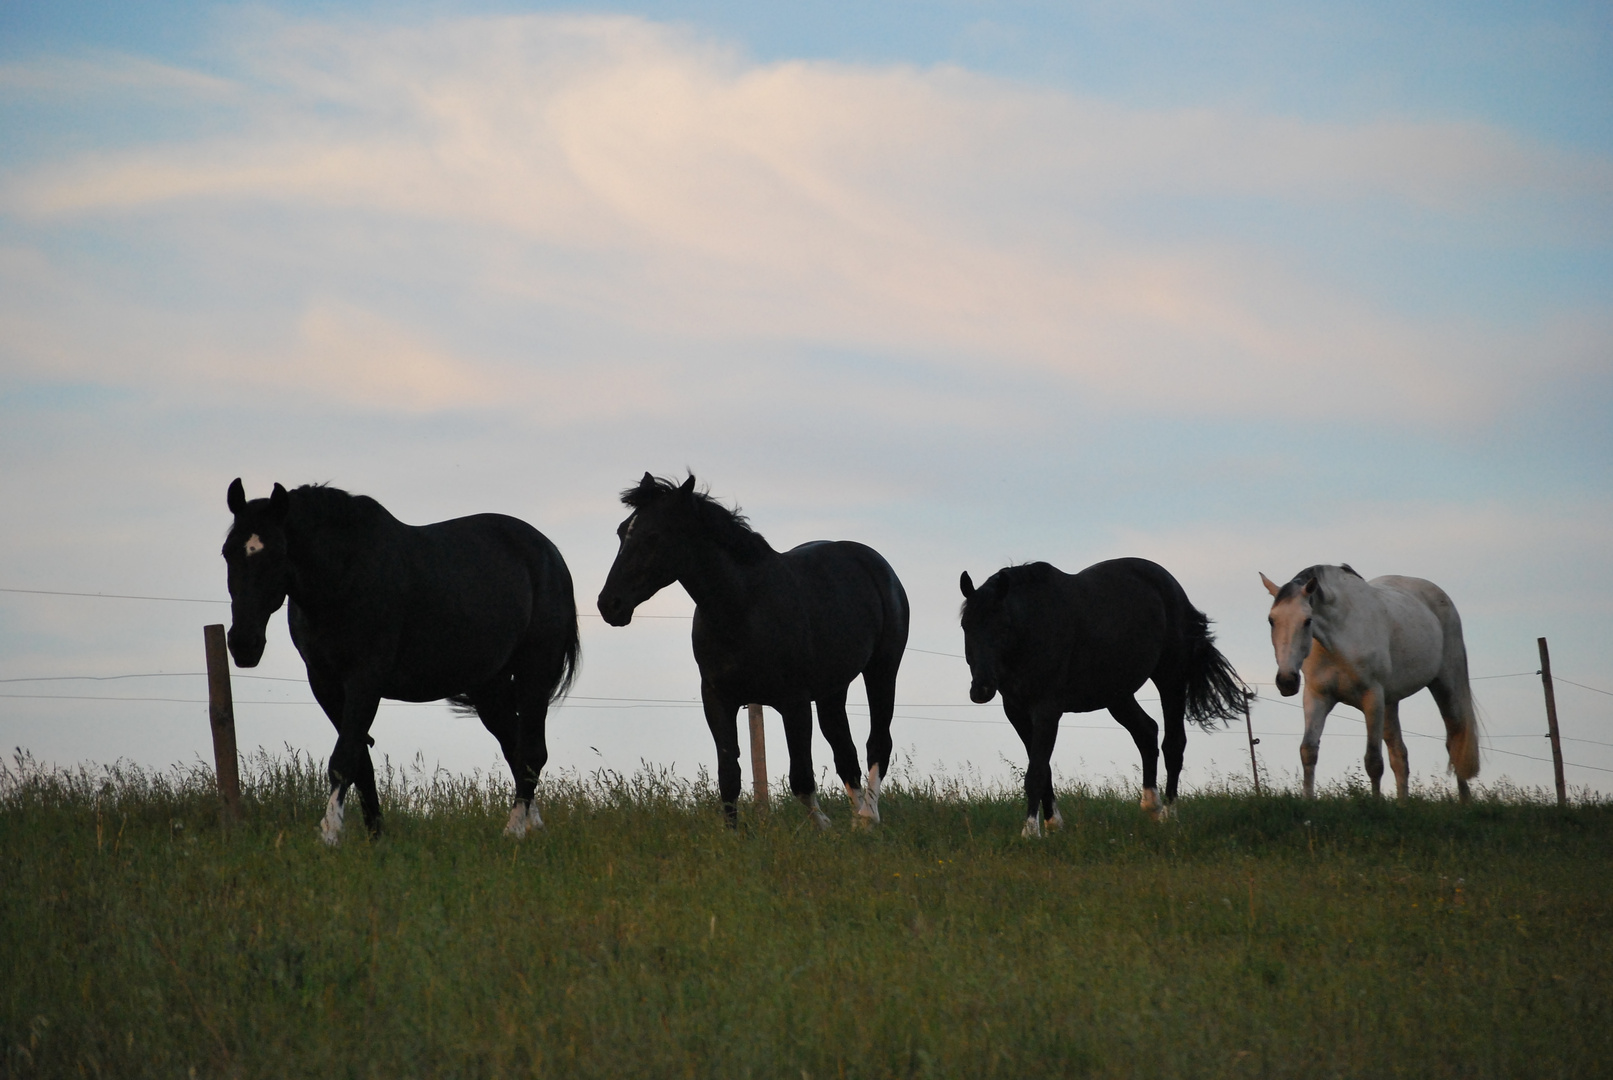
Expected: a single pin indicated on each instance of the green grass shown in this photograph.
(638, 937)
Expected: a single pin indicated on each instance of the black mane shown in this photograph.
(1305, 577)
(328, 505)
(729, 528)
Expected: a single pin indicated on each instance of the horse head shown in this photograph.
(651, 554)
(987, 636)
(1290, 618)
(259, 573)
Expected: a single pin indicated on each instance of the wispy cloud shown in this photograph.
(933, 212)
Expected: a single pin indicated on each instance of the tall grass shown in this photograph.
(636, 936)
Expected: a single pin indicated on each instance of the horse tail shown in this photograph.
(1462, 736)
(1215, 693)
(571, 641)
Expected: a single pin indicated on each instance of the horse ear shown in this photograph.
(1313, 587)
(236, 496)
(647, 482)
(966, 585)
(687, 486)
(1271, 586)
(279, 504)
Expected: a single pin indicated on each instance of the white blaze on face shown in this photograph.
(253, 544)
(627, 530)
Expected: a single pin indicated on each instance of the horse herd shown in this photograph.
(480, 611)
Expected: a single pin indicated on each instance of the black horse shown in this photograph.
(781, 629)
(1055, 643)
(478, 610)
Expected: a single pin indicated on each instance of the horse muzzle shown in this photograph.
(246, 649)
(980, 693)
(1287, 683)
(614, 610)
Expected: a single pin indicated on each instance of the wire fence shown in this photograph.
(582, 701)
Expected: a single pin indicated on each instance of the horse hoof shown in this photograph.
(330, 826)
(1055, 822)
(1032, 829)
(523, 819)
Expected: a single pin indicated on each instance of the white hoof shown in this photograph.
(864, 808)
(819, 818)
(871, 793)
(330, 826)
(1152, 806)
(1032, 829)
(523, 819)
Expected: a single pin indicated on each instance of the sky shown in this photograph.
(1238, 288)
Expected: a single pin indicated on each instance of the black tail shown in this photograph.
(571, 656)
(1214, 691)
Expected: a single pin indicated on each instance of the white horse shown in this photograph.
(1371, 644)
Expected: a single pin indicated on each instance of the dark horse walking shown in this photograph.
(1055, 643)
(780, 629)
(478, 610)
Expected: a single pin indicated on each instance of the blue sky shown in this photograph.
(1234, 287)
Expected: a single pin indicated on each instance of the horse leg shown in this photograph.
(722, 718)
(1460, 739)
(1396, 744)
(328, 692)
(1047, 811)
(1145, 733)
(837, 730)
(798, 737)
(1372, 709)
(1173, 704)
(879, 681)
(350, 765)
(1316, 709)
(1039, 769)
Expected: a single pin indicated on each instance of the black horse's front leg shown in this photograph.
(722, 719)
(1039, 770)
(350, 765)
(1019, 715)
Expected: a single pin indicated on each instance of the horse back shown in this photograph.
(451, 601)
(1425, 631)
(827, 611)
(1112, 627)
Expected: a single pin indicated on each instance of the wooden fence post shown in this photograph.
(1254, 765)
(1551, 722)
(221, 715)
(758, 758)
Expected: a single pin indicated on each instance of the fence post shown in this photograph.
(1551, 722)
(1254, 765)
(758, 758)
(221, 715)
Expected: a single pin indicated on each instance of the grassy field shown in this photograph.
(638, 937)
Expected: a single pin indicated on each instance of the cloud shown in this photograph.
(664, 183)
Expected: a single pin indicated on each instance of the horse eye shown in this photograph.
(1307, 624)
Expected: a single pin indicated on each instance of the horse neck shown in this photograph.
(722, 587)
(321, 550)
(1344, 621)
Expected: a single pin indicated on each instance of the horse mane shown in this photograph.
(326, 505)
(728, 528)
(1309, 574)
(1006, 580)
